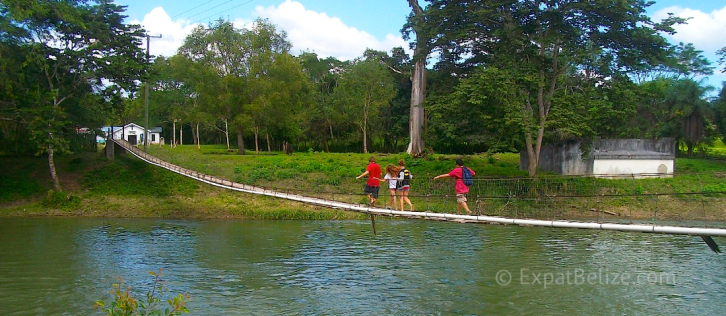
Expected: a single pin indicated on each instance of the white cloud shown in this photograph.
(306, 30)
(707, 31)
(322, 34)
(172, 33)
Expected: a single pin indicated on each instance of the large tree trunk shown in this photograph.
(199, 146)
(226, 133)
(240, 142)
(416, 120)
(418, 89)
(257, 144)
(365, 136)
(173, 133)
(181, 135)
(51, 166)
(268, 142)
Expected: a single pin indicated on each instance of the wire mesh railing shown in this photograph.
(603, 199)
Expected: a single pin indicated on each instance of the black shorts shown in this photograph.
(373, 191)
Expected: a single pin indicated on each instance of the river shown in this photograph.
(61, 266)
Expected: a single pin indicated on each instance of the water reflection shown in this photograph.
(60, 266)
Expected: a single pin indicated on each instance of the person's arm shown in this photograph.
(362, 175)
(445, 175)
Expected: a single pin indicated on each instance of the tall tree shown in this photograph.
(323, 114)
(691, 112)
(242, 59)
(720, 112)
(77, 48)
(221, 47)
(540, 41)
(416, 23)
(364, 89)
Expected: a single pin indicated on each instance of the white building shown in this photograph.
(134, 134)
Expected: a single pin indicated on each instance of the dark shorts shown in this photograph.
(373, 191)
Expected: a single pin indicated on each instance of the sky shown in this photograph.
(345, 28)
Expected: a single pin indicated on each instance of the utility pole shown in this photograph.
(146, 97)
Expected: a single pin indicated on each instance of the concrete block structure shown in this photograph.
(608, 157)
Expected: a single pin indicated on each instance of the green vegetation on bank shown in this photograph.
(128, 187)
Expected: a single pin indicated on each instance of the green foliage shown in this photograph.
(69, 60)
(719, 188)
(125, 304)
(126, 176)
(61, 200)
(17, 184)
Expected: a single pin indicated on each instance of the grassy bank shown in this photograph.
(128, 187)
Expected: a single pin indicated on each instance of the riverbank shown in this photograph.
(128, 187)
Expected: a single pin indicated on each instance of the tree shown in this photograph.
(323, 114)
(722, 58)
(416, 24)
(690, 62)
(540, 41)
(242, 59)
(175, 97)
(720, 112)
(691, 112)
(221, 47)
(363, 90)
(396, 116)
(75, 48)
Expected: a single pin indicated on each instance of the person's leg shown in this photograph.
(369, 194)
(401, 197)
(461, 203)
(393, 202)
(405, 196)
(465, 206)
(375, 196)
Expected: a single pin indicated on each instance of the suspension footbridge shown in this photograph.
(353, 207)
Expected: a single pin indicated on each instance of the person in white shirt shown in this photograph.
(391, 177)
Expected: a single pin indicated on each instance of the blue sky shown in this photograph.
(345, 28)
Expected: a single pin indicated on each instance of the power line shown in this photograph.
(214, 7)
(239, 5)
(192, 9)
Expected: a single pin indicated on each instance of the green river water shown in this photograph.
(61, 266)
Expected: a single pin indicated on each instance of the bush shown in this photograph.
(61, 200)
(124, 304)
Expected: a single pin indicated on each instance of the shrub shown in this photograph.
(124, 304)
(61, 200)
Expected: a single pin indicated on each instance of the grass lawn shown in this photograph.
(128, 187)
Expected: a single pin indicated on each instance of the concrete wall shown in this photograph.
(154, 138)
(607, 156)
(561, 158)
(635, 167)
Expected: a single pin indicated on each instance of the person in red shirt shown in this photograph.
(459, 187)
(374, 182)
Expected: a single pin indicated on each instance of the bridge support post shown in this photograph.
(110, 144)
(373, 223)
(112, 148)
